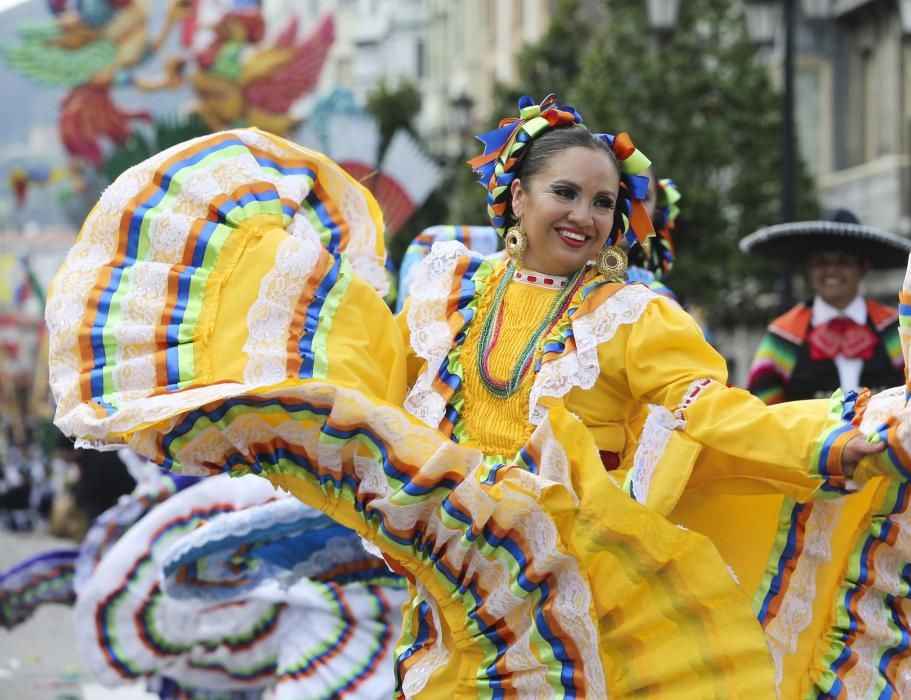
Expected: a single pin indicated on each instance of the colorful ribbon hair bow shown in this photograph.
(660, 257)
(504, 145)
(635, 223)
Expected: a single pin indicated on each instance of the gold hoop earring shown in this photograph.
(612, 262)
(516, 243)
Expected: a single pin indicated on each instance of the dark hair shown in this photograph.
(539, 151)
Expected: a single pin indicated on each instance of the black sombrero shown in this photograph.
(837, 229)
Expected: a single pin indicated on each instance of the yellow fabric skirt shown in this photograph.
(830, 582)
(546, 582)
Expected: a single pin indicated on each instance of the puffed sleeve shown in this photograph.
(699, 432)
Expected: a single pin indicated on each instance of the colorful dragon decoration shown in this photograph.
(239, 75)
(241, 70)
(240, 81)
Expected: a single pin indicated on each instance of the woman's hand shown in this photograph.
(856, 449)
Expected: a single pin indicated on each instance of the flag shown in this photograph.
(8, 262)
(23, 291)
(30, 285)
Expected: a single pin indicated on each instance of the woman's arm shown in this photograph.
(725, 434)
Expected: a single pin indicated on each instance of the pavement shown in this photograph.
(38, 659)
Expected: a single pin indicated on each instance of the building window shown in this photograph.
(869, 105)
(858, 90)
(814, 120)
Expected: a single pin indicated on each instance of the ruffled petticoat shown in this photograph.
(343, 605)
(235, 631)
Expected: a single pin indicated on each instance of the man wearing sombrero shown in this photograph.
(840, 338)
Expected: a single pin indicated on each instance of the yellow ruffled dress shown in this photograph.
(828, 569)
(830, 579)
(219, 312)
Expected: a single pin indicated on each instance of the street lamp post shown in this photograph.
(788, 146)
(662, 15)
(462, 111)
(462, 107)
(763, 18)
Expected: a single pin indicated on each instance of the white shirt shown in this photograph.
(849, 370)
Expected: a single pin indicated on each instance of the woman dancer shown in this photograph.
(651, 262)
(208, 317)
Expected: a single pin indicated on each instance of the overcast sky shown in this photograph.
(7, 4)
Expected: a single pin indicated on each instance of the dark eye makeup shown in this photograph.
(563, 191)
(568, 191)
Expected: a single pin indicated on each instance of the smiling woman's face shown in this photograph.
(567, 209)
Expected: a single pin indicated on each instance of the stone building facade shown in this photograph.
(854, 109)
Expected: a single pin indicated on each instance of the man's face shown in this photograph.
(836, 276)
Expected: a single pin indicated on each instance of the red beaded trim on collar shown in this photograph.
(538, 280)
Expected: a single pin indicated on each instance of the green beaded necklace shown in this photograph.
(490, 332)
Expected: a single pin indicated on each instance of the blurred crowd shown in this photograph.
(47, 485)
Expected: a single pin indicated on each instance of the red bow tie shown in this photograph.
(841, 336)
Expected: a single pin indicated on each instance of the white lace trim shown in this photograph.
(656, 432)
(167, 231)
(361, 249)
(415, 678)
(142, 305)
(695, 390)
(67, 300)
(371, 272)
(875, 618)
(270, 316)
(82, 420)
(580, 368)
(881, 407)
(796, 611)
(428, 324)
